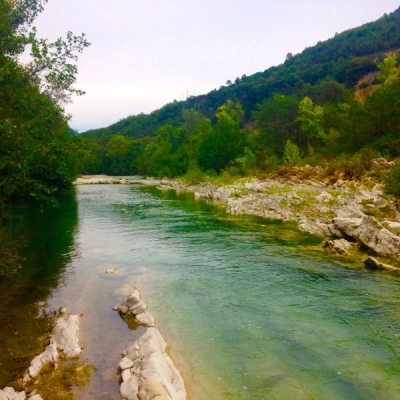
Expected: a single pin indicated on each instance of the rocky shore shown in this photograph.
(64, 342)
(348, 215)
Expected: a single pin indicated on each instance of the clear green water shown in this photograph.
(250, 308)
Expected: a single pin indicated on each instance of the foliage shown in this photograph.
(291, 154)
(392, 180)
(354, 165)
(225, 141)
(38, 155)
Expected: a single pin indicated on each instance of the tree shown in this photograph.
(225, 141)
(38, 154)
(310, 118)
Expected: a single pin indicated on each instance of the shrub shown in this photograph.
(392, 180)
(291, 154)
(193, 176)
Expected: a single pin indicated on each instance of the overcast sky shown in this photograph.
(144, 54)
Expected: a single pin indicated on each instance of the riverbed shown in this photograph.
(251, 309)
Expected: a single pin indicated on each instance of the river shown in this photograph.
(251, 309)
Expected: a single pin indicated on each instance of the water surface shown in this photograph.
(251, 309)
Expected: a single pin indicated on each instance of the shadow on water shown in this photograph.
(48, 235)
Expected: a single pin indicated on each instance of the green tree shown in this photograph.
(310, 117)
(38, 154)
(225, 141)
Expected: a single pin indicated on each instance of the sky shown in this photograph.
(145, 54)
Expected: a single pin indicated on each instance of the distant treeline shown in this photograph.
(330, 101)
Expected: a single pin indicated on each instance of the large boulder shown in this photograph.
(371, 234)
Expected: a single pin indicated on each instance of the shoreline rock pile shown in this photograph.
(147, 370)
(335, 212)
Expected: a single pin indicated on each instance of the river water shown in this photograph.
(251, 309)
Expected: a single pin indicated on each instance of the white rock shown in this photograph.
(349, 212)
(125, 363)
(392, 225)
(126, 375)
(3, 396)
(151, 389)
(145, 318)
(138, 308)
(66, 335)
(324, 197)
(20, 396)
(10, 393)
(370, 233)
(124, 309)
(133, 299)
(129, 388)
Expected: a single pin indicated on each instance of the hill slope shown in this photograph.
(313, 100)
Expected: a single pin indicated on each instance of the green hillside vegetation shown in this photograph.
(335, 102)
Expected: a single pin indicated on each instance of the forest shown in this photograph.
(334, 103)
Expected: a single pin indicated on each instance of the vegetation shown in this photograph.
(334, 105)
(39, 154)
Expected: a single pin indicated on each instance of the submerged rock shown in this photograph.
(338, 246)
(373, 263)
(111, 271)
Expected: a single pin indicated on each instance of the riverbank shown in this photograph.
(354, 218)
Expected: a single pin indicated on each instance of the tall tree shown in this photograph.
(225, 141)
(37, 149)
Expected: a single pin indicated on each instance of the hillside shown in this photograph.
(327, 74)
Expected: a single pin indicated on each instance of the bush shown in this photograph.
(353, 166)
(193, 176)
(392, 180)
(291, 153)
(271, 163)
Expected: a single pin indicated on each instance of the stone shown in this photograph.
(339, 246)
(349, 212)
(123, 309)
(145, 318)
(125, 363)
(64, 338)
(324, 197)
(132, 300)
(373, 263)
(129, 388)
(20, 396)
(347, 225)
(111, 271)
(10, 393)
(3, 396)
(151, 389)
(66, 335)
(126, 375)
(138, 308)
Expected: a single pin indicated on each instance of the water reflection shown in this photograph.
(49, 237)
